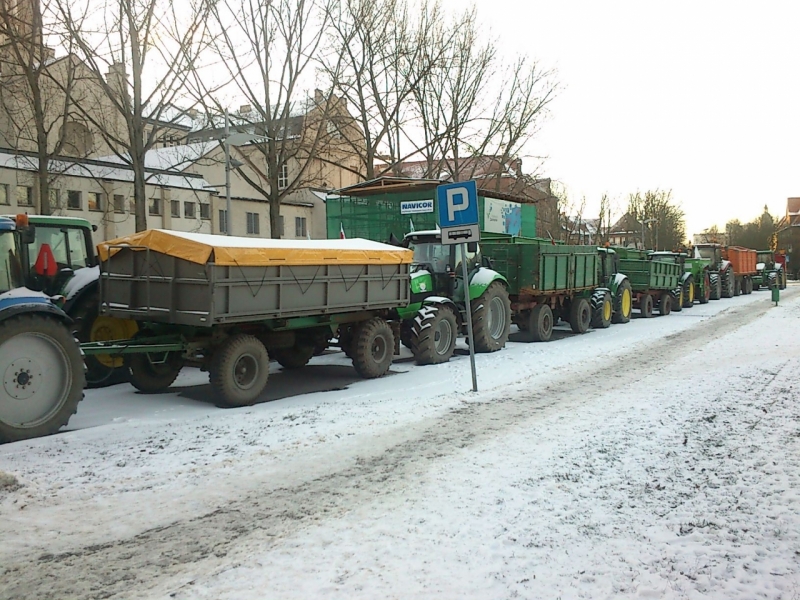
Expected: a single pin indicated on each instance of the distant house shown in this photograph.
(627, 231)
(789, 235)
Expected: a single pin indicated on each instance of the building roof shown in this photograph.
(399, 185)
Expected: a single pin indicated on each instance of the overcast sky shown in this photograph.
(699, 97)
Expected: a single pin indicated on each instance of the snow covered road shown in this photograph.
(656, 459)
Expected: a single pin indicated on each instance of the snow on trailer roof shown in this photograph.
(256, 252)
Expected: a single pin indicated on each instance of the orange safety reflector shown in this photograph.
(46, 262)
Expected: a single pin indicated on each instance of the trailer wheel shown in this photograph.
(42, 377)
(294, 357)
(373, 348)
(580, 315)
(728, 283)
(665, 304)
(541, 323)
(646, 306)
(705, 296)
(602, 309)
(434, 333)
(715, 286)
(152, 374)
(239, 371)
(689, 292)
(623, 303)
(491, 318)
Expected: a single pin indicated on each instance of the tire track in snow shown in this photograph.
(165, 558)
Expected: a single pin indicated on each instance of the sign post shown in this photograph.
(458, 221)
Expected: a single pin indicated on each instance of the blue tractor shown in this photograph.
(41, 365)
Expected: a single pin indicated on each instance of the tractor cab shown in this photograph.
(678, 258)
(608, 265)
(11, 274)
(712, 252)
(436, 268)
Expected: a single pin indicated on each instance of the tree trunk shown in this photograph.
(274, 217)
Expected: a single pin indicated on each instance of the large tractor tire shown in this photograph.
(406, 333)
(677, 299)
(623, 303)
(728, 283)
(373, 348)
(646, 306)
(295, 357)
(665, 304)
(715, 284)
(773, 280)
(153, 374)
(540, 324)
(602, 309)
(433, 334)
(42, 377)
(239, 371)
(101, 370)
(689, 292)
(491, 318)
(580, 315)
(705, 294)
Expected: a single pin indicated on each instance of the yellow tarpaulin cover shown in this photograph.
(260, 252)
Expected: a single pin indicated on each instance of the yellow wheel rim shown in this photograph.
(626, 303)
(691, 294)
(105, 329)
(607, 309)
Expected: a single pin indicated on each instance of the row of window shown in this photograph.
(254, 225)
(24, 197)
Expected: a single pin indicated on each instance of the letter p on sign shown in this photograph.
(457, 200)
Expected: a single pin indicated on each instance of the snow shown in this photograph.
(656, 459)
(23, 292)
(81, 279)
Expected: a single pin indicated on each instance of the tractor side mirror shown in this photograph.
(472, 247)
(94, 228)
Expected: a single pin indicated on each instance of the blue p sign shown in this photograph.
(458, 204)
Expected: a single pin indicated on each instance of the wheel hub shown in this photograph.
(21, 378)
(245, 371)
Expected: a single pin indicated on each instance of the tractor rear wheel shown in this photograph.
(646, 306)
(705, 294)
(623, 303)
(373, 348)
(580, 315)
(433, 334)
(689, 292)
(602, 309)
(42, 377)
(541, 323)
(715, 284)
(665, 304)
(491, 318)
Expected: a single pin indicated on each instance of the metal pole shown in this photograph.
(228, 212)
(643, 244)
(469, 317)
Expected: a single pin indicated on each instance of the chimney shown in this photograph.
(245, 109)
(318, 97)
(117, 78)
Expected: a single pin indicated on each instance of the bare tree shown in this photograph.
(140, 56)
(663, 221)
(269, 50)
(605, 220)
(36, 94)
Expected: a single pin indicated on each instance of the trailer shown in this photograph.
(720, 270)
(743, 261)
(655, 283)
(547, 282)
(227, 305)
(695, 282)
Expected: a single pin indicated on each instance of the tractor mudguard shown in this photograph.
(85, 281)
(482, 279)
(32, 303)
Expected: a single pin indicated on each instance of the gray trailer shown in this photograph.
(227, 305)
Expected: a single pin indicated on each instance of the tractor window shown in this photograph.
(60, 240)
(10, 268)
(436, 255)
(77, 249)
(472, 258)
(709, 253)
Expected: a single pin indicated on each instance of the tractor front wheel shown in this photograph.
(602, 309)
(689, 292)
(705, 296)
(623, 303)
(433, 334)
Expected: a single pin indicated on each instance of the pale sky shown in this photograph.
(700, 97)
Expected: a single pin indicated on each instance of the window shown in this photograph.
(188, 210)
(4, 193)
(175, 207)
(74, 200)
(283, 177)
(95, 201)
(133, 206)
(24, 195)
(55, 198)
(155, 206)
(300, 227)
(223, 221)
(252, 224)
(119, 203)
(205, 211)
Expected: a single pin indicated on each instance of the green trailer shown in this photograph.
(546, 282)
(654, 282)
(695, 283)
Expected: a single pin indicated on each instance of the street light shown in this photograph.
(647, 221)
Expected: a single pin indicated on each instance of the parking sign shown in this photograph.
(458, 212)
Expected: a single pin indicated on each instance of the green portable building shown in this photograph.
(377, 209)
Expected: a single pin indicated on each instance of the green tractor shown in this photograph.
(76, 278)
(619, 290)
(695, 283)
(722, 279)
(437, 314)
(770, 272)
